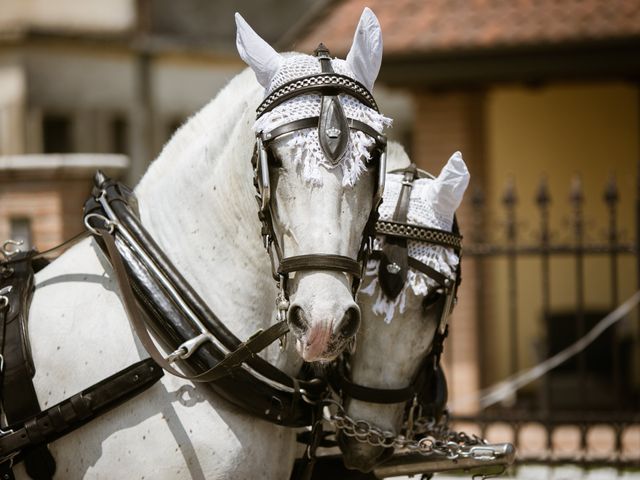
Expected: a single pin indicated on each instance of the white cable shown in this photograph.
(507, 387)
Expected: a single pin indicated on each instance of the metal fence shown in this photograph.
(586, 410)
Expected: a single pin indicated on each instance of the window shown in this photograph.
(606, 365)
(21, 231)
(56, 134)
(119, 135)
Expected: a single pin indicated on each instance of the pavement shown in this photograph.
(542, 472)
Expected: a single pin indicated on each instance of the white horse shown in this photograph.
(197, 201)
(396, 336)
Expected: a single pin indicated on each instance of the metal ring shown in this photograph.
(108, 223)
(304, 395)
(9, 252)
(4, 302)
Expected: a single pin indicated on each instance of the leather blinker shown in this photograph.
(394, 264)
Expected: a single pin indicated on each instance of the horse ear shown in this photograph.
(451, 185)
(365, 55)
(256, 53)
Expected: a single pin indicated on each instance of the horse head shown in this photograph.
(318, 177)
(412, 280)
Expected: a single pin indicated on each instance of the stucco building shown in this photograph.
(526, 90)
(543, 100)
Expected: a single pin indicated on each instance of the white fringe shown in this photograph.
(305, 145)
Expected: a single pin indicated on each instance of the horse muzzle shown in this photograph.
(322, 339)
(362, 456)
(323, 316)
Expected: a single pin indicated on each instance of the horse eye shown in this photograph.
(432, 298)
(274, 160)
(374, 158)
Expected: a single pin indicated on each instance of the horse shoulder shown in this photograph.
(77, 326)
(79, 335)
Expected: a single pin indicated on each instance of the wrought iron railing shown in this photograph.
(586, 411)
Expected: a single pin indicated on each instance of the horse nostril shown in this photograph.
(350, 323)
(298, 320)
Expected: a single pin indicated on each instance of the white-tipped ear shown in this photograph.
(365, 55)
(256, 53)
(450, 185)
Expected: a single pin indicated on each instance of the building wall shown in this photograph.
(69, 15)
(559, 131)
(93, 87)
(445, 123)
(13, 91)
(49, 191)
(518, 134)
(40, 204)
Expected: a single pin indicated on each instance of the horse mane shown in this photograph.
(201, 184)
(212, 124)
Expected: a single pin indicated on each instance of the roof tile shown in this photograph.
(425, 26)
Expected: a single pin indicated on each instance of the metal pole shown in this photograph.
(509, 201)
(543, 200)
(637, 252)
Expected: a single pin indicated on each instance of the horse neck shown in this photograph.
(197, 202)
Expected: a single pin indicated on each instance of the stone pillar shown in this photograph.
(444, 123)
(12, 105)
(141, 119)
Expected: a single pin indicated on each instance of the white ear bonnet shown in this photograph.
(433, 203)
(274, 70)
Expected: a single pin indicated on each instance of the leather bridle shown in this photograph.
(333, 132)
(428, 387)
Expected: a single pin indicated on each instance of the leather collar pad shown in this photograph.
(172, 327)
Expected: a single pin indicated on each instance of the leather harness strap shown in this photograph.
(323, 83)
(440, 278)
(312, 122)
(394, 261)
(18, 397)
(70, 414)
(333, 130)
(171, 308)
(256, 343)
(419, 233)
(321, 261)
(24, 436)
(373, 395)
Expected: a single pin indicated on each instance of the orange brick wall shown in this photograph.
(53, 205)
(444, 123)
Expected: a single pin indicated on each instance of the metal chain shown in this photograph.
(436, 438)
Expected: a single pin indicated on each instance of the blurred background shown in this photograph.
(541, 96)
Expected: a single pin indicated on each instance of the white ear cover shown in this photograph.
(450, 186)
(256, 53)
(365, 55)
